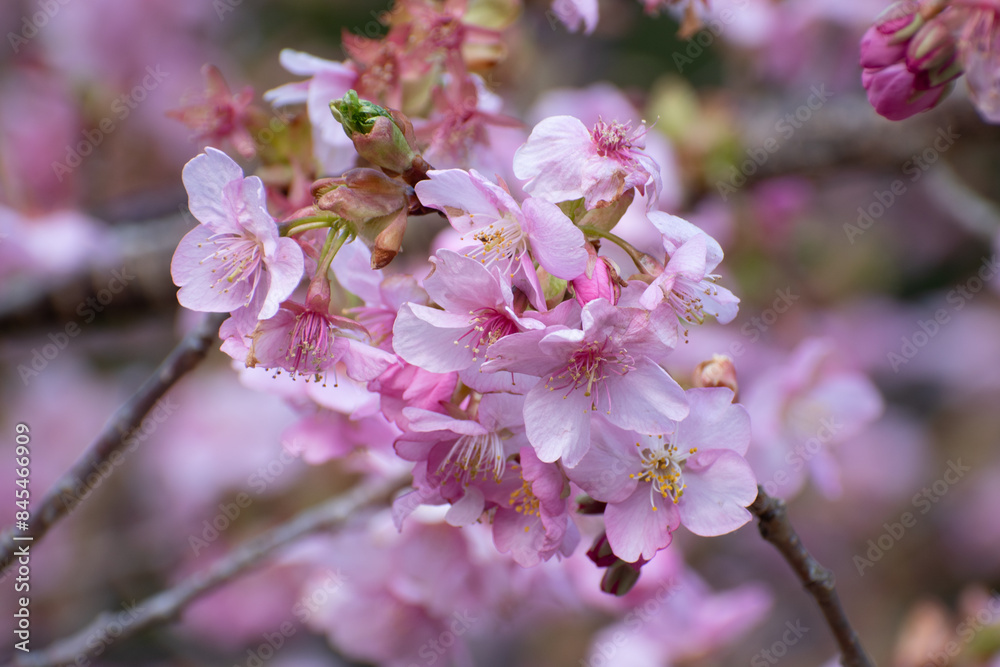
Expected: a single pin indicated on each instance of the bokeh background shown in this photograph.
(863, 251)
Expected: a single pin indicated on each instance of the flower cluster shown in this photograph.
(917, 48)
(524, 376)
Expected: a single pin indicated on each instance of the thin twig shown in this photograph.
(819, 581)
(113, 437)
(167, 604)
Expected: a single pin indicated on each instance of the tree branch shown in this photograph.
(112, 438)
(819, 581)
(167, 604)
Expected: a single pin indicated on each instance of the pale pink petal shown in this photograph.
(433, 339)
(205, 178)
(719, 486)
(605, 473)
(556, 243)
(285, 269)
(645, 399)
(714, 422)
(552, 158)
(558, 424)
(635, 530)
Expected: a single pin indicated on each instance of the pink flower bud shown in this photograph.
(878, 51)
(718, 371)
(896, 93)
(389, 241)
(621, 577)
(382, 136)
(900, 21)
(601, 552)
(599, 281)
(360, 195)
(931, 48)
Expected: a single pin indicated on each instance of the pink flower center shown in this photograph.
(685, 298)
(475, 454)
(663, 468)
(502, 241)
(488, 326)
(524, 501)
(588, 367)
(238, 258)
(311, 348)
(613, 140)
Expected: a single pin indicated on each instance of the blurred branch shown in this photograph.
(145, 246)
(819, 581)
(975, 213)
(188, 353)
(167, 604)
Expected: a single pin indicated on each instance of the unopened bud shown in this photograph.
(389, 241)
(877, 49)
(897, 93)
(601, 552)
(937, 78)
(900, 21)
(360, 195)
(381, 136)
(600, 281)
(718, 371)
(931, 48)
(621, 577)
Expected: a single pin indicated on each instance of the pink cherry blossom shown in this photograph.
(687, 285)
(461, 458)
(605, 100)
(606, 368)
(499, 233)
(564, 161)
(803, 407)
(234, 261)
(532, 521)
(695, 475)
(309, 343)
(477, 309)
(405, 385)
